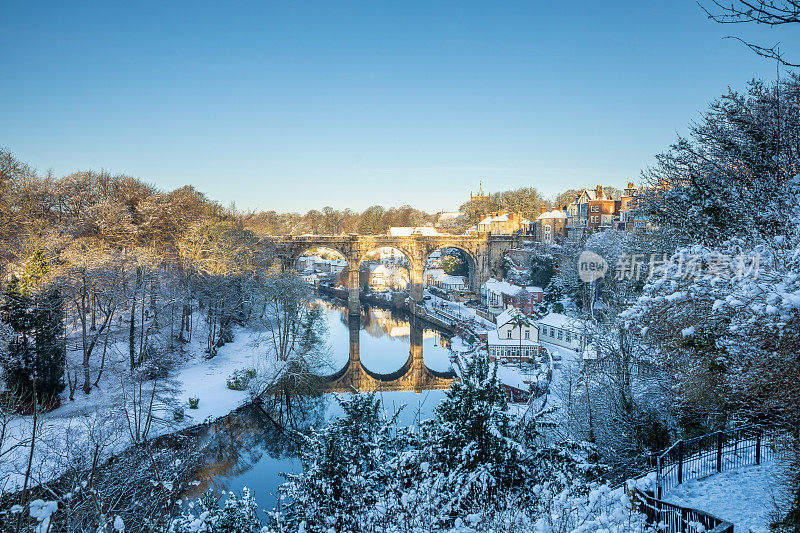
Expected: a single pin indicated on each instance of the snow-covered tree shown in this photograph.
(33, 363)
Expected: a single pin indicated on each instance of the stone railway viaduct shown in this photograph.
(485, 253)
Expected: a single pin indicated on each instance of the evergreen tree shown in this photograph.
(36, 355)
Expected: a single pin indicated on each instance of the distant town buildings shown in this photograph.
(591, 211)
(502, 223)
(315, 269)
(382, 277)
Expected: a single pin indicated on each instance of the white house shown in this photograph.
(334, 266)
(515, 339)
(562, 330)
(438, 278)
(383, 277)
(307, 262)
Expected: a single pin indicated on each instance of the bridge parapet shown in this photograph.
(484, 251)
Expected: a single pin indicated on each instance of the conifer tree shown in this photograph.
(36, 354)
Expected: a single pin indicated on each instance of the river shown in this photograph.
(406, 360)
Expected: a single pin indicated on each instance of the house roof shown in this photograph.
(505, 287)
(555, 213)
(557, 320)
(447, 279)
(449, 215)
(510, 314)
(387, 270)
(407, 231)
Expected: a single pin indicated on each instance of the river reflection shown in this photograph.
(407, 362)
(392, 356)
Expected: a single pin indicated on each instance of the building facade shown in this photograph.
(498, 296)
(516, 338)
(503, 223)
(550, 226)
(562, 330)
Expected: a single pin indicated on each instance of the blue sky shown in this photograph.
(298, 105)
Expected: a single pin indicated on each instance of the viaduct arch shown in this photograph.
(485, 253)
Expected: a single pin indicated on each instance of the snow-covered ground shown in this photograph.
(745, 496)
(69, 428)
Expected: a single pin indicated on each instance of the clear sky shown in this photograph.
(297, 105)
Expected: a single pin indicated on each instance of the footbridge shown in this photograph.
(484, 254)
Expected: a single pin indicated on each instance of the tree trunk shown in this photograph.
(132, 332)
(87, 385)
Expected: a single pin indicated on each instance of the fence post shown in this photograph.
(658, 477)
(680, 461)
(758, 446)
(684, 519)
(719, 451)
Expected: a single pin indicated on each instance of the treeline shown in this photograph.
(114, 252)
(375, 220)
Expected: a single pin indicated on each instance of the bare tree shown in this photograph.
(767, 12)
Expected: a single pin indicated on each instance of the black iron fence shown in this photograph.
(710, 454)
(670, 518)
(700, 457)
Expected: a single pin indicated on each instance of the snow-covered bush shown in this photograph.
(474, 465)
(237, 514)
(240, 379)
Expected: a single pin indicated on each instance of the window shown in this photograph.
(527, 334)
(509, 334)
(569, 337)
(560, 334)
(551, 332)
(595, 209)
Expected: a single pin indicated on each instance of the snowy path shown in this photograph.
(743, 496)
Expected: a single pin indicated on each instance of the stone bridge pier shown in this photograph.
(485, 254)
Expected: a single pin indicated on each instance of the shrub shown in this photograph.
(240, 379)
(193, 402)
(235, 515)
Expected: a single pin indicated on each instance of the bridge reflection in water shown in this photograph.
(413, 375)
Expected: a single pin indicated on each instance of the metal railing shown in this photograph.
(670, 518)
(710, 454)
(700, 457)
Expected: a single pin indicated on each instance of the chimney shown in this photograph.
(544, 209)
(630, 185)
(599, 192)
